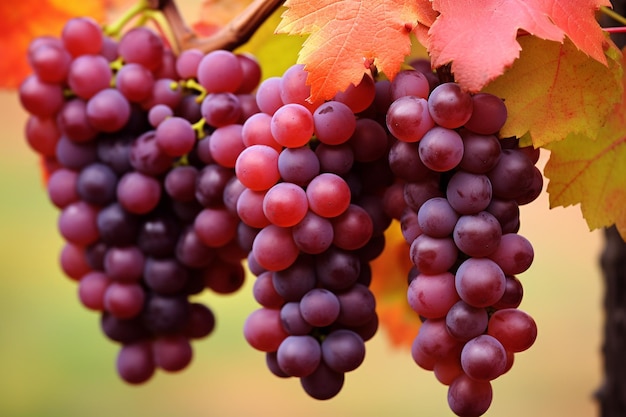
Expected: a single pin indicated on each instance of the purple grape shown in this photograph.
(343, 350)
(319, 307)
(465, 322)
(483, 358)
(299, 355)
(480, 282)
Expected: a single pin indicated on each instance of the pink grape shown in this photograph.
(285, 204)
(328, 195)
(292, 125)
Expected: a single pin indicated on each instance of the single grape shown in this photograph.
(358, 97)
(334, 122)
(89, 74)
(319, 307)
(172, 353)
(353, 228)
(135, 363)
(268, 95)
(514, 254)
(257, 167)
(357, 306)
(433, 255)
(483, 358)
(410, 83)
(175, 136)
(408, 118)
(221, 109)
(328, 195)
(296, 280)
(513, 294)
(469, 193)
(468, 397)
(220, 71)
(465, 322)
(292, 125)
(441, 149)
(488, 115)
(313, 234)
(263, 330)
(437, 218)
(480, 282)
(450, 106)
(226, 144)
(135, 82)
(124, 264)
(81, 36)
(142, 46)
(323, 383)
(477, 234)
(187, 63)
(274, 248)
(285, 204)
(337, 269)
(343, 350)
(514, 328)
(299, 355)
(40, 98)
(431, 296)
(298, 165)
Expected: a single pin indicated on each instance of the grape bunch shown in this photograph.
(145, 210)
(173, 171)
(314, 175)
(462, 188)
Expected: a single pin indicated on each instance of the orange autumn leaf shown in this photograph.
(554, 89)
(22, 21)
(592, 173)
(347, 37)
(389, 285)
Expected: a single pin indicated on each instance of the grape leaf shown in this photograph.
(24, 20)
(347, 36)
(479, 37)
(554, 90)
(578, 20)
(592, 173)
(389, 284)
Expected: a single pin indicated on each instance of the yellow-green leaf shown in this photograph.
(592, 173)
(554, 90)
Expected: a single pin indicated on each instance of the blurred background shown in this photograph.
(55, 362)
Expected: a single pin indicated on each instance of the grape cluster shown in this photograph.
(146, 211)
(314, 175)
(173, 171)
(462, 188)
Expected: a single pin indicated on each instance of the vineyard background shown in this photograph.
(55, 362)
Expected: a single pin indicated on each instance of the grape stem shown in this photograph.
(619, 29)
(237, 32)
(613, 15)
(141, 6)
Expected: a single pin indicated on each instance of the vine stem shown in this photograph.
(619, 29)
(613, 15)
(237, 32)
(140, 7)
